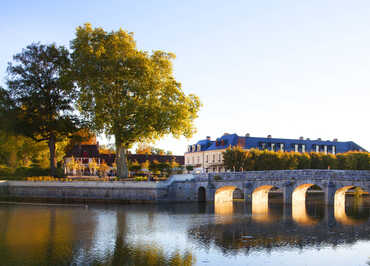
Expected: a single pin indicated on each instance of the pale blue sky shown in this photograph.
(283, 68)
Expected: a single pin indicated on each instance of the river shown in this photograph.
(233, 233)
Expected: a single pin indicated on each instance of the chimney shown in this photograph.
(335, 140)
(319, 139)
(208, 137)
(301, 138)
(269, 136)
(247, 135)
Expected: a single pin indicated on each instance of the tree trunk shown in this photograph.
(51, 144)
(121, 160)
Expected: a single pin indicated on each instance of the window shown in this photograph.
(213, 158)
(219, 157)
(207, 158)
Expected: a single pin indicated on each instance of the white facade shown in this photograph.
(208, 161)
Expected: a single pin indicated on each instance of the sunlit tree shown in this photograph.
(128, 93)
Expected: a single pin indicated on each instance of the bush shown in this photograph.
(236, 159)
(140, 178)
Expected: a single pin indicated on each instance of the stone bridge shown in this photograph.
(256, 185)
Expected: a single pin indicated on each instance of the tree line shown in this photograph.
(103, 83)
(236, 159)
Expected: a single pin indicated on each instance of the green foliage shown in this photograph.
(141, 178)
(236, 159)
(40, 95)
(129, 93)
(134, 166)
(22, 173)
(189, 168)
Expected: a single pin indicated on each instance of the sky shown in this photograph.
(280, 68)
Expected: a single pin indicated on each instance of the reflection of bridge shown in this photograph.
(243, 228)
(256, 185)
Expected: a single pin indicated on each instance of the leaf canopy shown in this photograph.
(129, 93)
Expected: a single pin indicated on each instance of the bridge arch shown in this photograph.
(201, 194)
(228, 194)
(300, 213)
(340, 212)
(260, 201)
(300, 192)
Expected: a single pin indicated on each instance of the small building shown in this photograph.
(86, 153)
(207, 154)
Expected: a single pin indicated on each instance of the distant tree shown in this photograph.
(158, 151)
(154, 167)
(145, 165)
(189, 168)
(234, 159)
(40, 96)
(103, 169)
(83, 136)
(134, 166)
(106, 149)
(144, 148)
(128, 93)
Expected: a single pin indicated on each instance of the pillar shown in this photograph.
(330, 190)
(287, 192)
(248, 190)
(210, 192)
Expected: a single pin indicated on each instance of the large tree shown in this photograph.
(41, 94)
(127, 93)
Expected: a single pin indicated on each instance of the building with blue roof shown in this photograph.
(206, 155)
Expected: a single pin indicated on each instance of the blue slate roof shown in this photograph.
(247, 142)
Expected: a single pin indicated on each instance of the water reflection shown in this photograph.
(310, 211)
(180, 234)
(32, 235)
(311, 223)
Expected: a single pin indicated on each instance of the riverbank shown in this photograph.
(90, 191)
(82, 191)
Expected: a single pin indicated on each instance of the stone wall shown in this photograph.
(3, 188)
(86, 191)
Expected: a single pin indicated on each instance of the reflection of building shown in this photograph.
(207, 154)
(86, 153)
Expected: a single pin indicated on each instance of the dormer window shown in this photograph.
(194, 148)
(198, 147)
